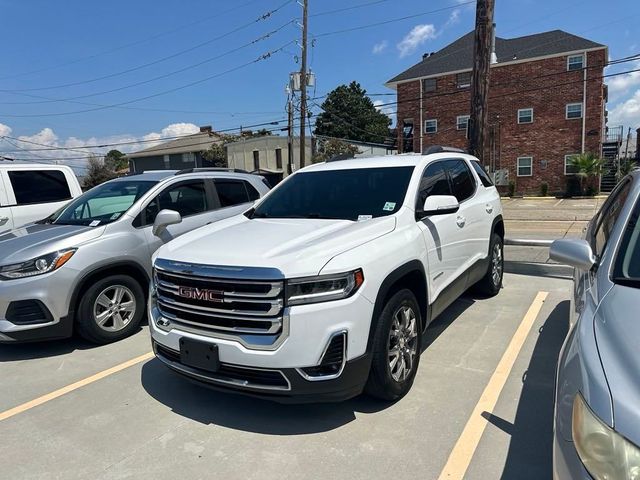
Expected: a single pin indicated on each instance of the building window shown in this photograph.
(431, 126)
(256, 160)
(574, 110)
(575, 62)
(429, 85)
(525, 115)
(463, 80)
(525, 166)
(279, 158)
(570, 169)
(462, 122)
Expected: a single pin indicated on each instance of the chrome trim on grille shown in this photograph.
(276, 287)
(276, 324)
(276, 307)
(219, 271)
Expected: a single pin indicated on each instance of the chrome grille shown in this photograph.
(226, 305)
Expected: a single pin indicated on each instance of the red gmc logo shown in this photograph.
(201, 294)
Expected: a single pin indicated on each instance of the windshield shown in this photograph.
(627, 266)
(355, 194)
(102, 204)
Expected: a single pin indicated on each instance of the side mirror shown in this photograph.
(573, 252)
(164, 219)
(439, 205)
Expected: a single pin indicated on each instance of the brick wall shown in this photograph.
(547, 140)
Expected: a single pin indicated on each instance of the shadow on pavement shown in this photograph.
(28, 351)
(261, 416)
(530, 450)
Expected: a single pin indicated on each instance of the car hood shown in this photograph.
(296, 247)
(617, 329)
(31, 241)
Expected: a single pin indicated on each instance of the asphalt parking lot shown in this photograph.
(481, 407)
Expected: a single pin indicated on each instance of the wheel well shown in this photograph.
(499, 228)
(124, 269)
(416, 282)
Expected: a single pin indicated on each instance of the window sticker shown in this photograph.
(116, 215)
(95, 223)
(389, 206)
(364, 218)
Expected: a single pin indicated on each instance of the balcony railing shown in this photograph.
(613, 134)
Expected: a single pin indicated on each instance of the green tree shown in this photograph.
(626, 166)
(586, 166)
(348, 113)
(216, 154)
(333, 147)
(116, 160)
(97, 172)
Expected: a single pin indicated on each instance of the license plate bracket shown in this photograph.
(201, 355)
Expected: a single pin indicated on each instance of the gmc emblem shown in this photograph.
(201, 294)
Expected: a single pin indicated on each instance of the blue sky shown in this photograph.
(61, 50)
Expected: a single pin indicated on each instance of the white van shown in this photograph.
(31, 191)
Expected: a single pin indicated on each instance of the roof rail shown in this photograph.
(441, 149)
(210, 169)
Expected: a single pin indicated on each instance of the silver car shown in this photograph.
(597, 409)
(87, 266)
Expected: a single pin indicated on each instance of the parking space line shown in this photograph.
(558, 202)
(74, 386)
(462, 453)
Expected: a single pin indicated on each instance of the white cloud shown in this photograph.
(623, 84)
(4, 129)
(380, 47)
(416, 37)
(48, 138)
(627, 112)
(453, 18)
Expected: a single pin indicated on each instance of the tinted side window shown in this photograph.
(434, 182)
(462, 181)
(253, 193)
(186, 198)
(231, 192)
(39, 186)
(607, 219)
(482, 173)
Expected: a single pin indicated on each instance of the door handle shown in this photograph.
(460, 221)
(3, 220)
(489, 208)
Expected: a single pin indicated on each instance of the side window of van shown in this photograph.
(39, 186)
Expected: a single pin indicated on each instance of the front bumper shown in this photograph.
(52, 292)
(308, 331)
(292, 388)
(566, 463)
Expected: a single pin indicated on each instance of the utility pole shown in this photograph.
(626, 148)
(303, 83)
(483, 43)
(289, 130)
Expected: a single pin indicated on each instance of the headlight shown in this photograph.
(604, 453)
(323, 288)
(37, 266)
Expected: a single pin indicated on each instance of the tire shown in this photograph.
(110, 309)
(491, 283)
(386, 380)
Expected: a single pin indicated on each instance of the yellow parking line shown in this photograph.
(465, 447)
(74, 386)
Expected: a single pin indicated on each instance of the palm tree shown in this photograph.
(586, 165)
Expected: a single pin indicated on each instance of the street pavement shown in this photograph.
(545, 219)
(487, 363)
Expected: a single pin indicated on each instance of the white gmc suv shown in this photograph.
(325, 288)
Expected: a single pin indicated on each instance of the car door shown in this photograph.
(6, 216)
(36, 193)
(441, 235)
(196, 202)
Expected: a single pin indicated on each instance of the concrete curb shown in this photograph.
(552, 270)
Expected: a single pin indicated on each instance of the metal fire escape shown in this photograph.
(612, 140)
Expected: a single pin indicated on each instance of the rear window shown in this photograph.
(39, 186)
(482, 173)
(232, 192)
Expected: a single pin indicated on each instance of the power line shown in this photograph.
(345, 9)
(262, 57)
(160, 60)
(361, 27)
(137, 42)
(143, 82)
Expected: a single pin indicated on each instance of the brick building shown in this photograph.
(546, 102)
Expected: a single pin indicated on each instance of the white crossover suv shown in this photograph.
(325, 287)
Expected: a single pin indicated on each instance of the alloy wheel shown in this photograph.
(496, 264)
(114, 308)
(403, 343)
